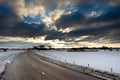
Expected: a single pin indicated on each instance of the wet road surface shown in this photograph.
(29, 66)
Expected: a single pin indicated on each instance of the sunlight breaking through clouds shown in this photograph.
(67, 22)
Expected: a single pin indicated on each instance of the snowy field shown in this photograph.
(7, 57)
(101, 60)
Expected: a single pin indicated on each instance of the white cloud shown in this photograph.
(56, 14)
(66, 30)
(80, 38)
(32, 11)
(94, 14)
(7, 39)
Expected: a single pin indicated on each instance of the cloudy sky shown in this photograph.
(60, 23)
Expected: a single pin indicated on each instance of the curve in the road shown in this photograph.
(29, 66)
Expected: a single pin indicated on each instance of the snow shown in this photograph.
(101, 60)
(7, 57)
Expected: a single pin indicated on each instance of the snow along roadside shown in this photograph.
(87, 70)
(7, 60)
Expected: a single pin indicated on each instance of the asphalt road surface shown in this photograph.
(29, 66)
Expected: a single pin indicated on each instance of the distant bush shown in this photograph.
(5, 50)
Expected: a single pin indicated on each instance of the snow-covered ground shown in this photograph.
(7, 57)
(102, 60)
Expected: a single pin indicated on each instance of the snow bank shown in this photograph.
(101, 60)
(7, 57)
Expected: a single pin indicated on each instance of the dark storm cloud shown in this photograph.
(94, 33)
(22, 30)
(68, 20)
(12, 25)
(110, 18)
(8, 16)
(114, 38)
(78, 17)
(95, 30)
(28, 30)
(110, 14)
(88, 5)
(51, 35)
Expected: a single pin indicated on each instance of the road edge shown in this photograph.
(72, 67)
(6, 65)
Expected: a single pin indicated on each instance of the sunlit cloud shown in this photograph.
(60, 23)
(93, 14)
(66, 30)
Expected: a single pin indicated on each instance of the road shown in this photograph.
(29, 66)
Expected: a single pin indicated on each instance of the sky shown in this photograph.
(59, 23)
